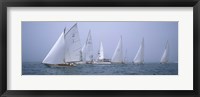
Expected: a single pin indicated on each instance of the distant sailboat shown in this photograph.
(125, 58)
(118, 54)
(139, 58)
(165, 56)
(67, 49)
(87, 51)
(100, 57)
(82, 54)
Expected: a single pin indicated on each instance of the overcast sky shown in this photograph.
(39, 37)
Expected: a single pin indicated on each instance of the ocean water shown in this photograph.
(37, 68)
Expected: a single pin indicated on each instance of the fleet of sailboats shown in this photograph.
(67, 51)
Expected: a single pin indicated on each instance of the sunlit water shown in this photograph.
(36, 68)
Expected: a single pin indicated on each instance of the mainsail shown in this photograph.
(165, 56)
(118, 54)
(66, 49)
(100, 53)
(139, 58)
(88, 49)
(72, 45)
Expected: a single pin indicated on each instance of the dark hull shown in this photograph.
(61, 65)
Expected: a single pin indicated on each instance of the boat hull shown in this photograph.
(61, 65)
(163, 62)
(102, 63)
(117, 63)
(85, 62)
(138, 63)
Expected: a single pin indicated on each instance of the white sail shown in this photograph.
(57, 53)
(89, 48)
(101, 53)
(125, 58)
(165, 56)
(72, 45)
(118, 54)
(139, 58)
(83, 53)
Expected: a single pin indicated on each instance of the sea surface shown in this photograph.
(37, 68)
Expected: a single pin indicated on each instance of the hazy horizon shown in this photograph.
(39, 37)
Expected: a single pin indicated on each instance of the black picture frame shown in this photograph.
(99, 3)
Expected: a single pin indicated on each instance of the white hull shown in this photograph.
(80, 62)
(89, 62)
(102, 63)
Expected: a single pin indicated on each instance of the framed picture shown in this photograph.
(92, 48)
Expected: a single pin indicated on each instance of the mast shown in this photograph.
(118, 54)
(165, 56)
(139, 58)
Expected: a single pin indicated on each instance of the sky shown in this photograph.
(39, 37)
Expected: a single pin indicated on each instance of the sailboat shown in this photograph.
(67, 49)
(139, 58)
(165, 56)
(118, 54)
(82, 54)
(125, 58)
(100, 57)
(100, 53)
(87, 50)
